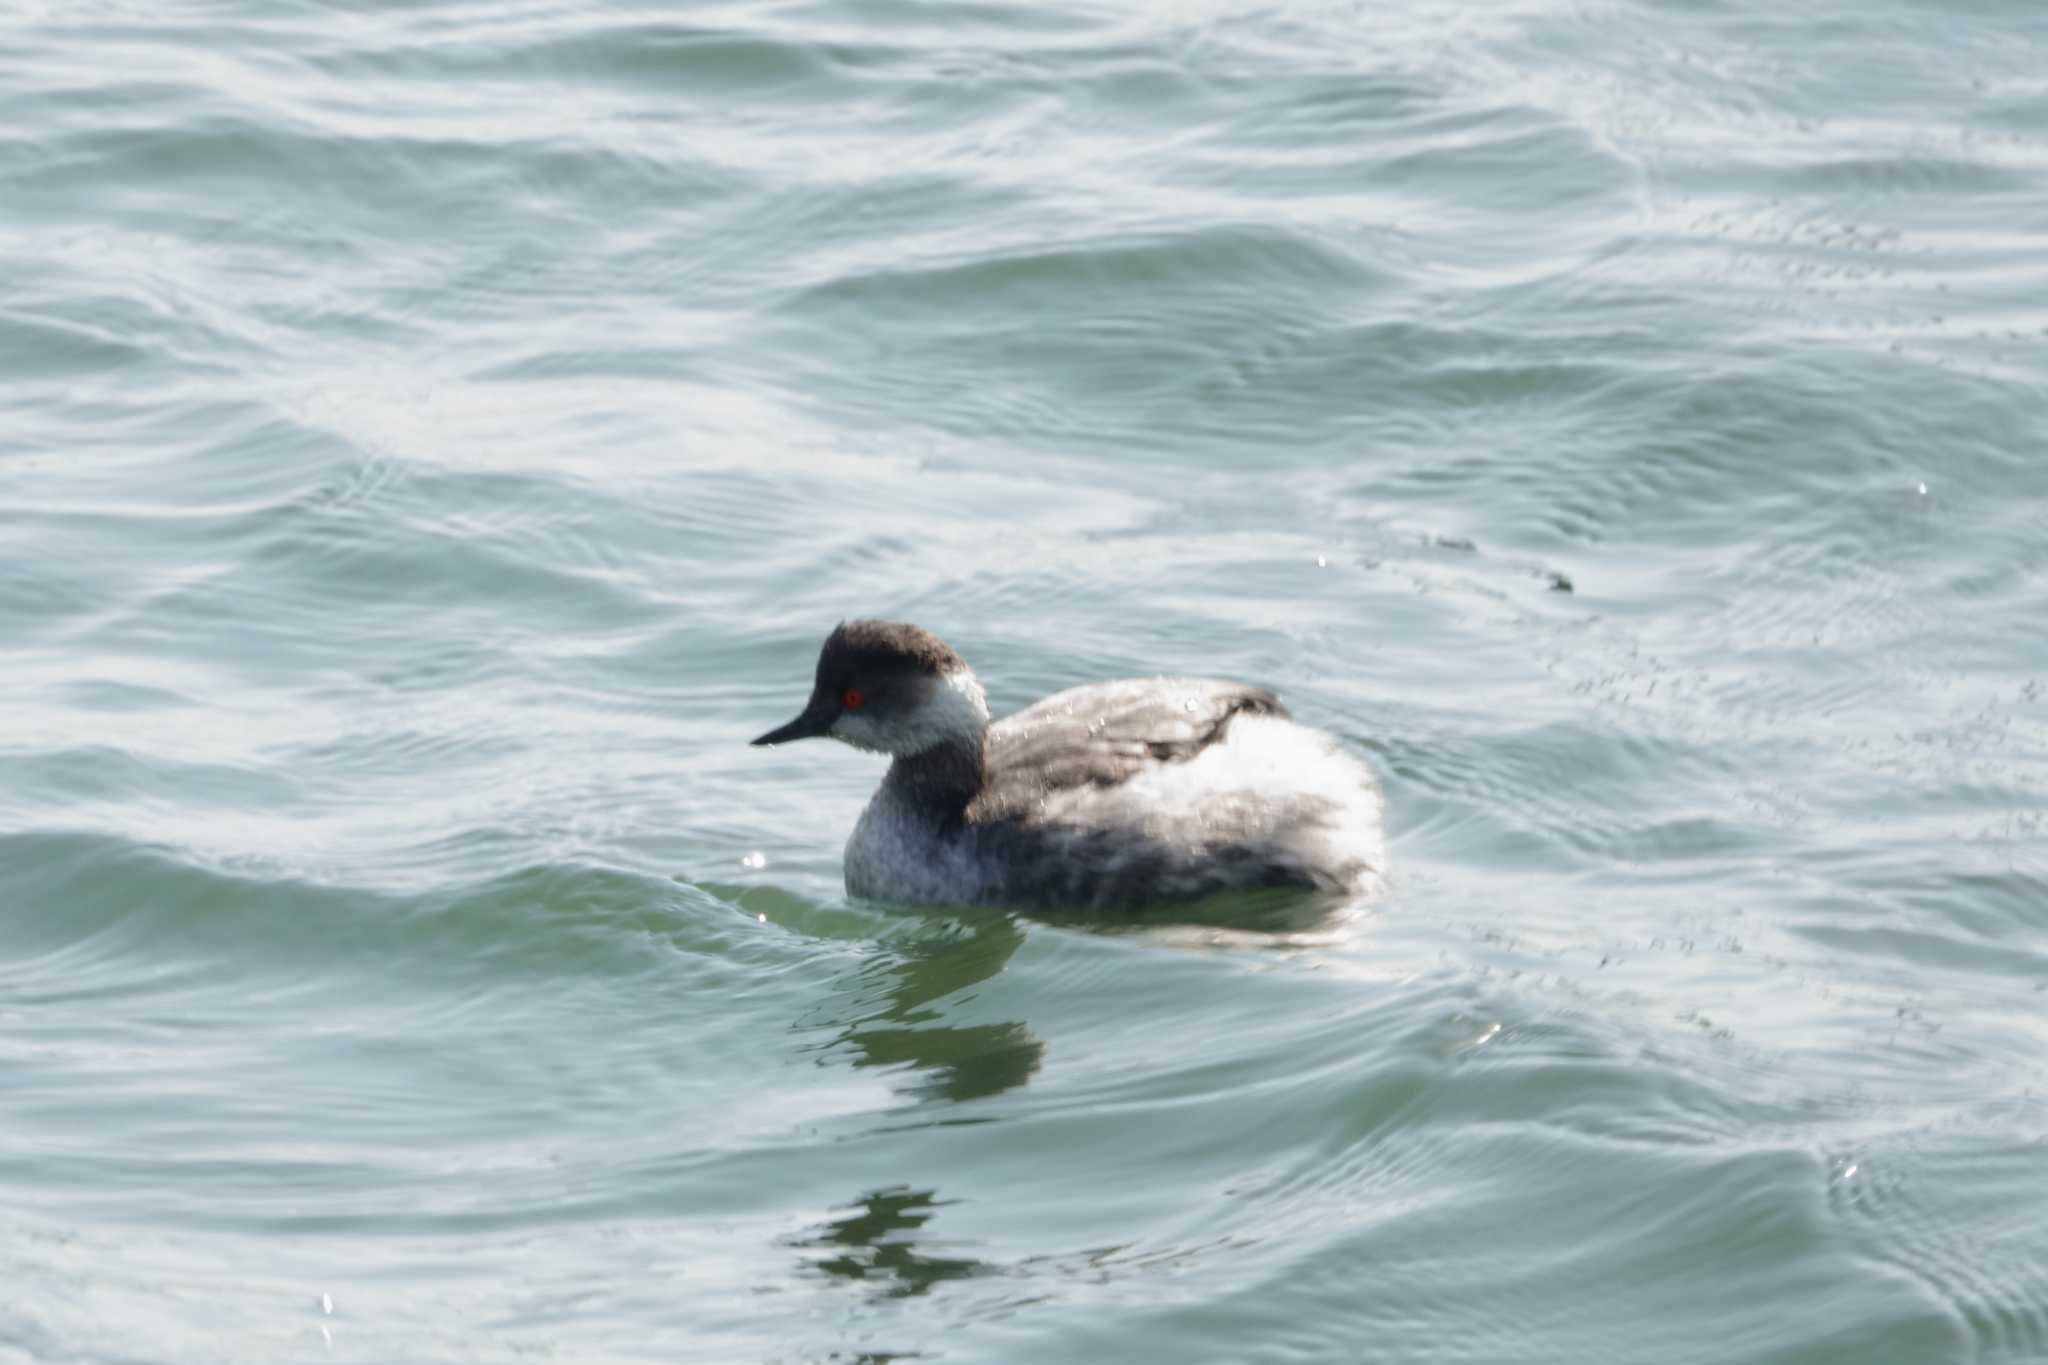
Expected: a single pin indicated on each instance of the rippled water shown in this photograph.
(434, 438)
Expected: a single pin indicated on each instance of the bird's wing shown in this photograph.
(1102, 734)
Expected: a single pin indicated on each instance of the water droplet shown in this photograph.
(1923, 490)
(1322, 562)
(326, 1304)
(757, 860)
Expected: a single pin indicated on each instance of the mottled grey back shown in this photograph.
(1103, 733)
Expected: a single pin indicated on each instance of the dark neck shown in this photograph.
(940, 781)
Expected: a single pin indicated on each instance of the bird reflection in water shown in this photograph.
(876, 1238)
(951, 1061)
(875, 1241)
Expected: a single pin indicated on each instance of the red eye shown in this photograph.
(851, 699)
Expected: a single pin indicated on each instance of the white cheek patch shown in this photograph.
(956, 708)
(949, 709)
(859, 729)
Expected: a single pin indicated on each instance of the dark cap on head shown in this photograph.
(886, 646)
(876, 660)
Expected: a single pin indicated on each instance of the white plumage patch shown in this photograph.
(1268, 781)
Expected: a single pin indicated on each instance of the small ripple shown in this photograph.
(1972, 1246)
(31, 345)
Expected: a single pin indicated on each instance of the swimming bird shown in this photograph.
(1110, 795)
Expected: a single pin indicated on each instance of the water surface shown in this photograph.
(433, 440)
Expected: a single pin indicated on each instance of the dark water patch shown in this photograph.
(119, 695)
(570, 365)
(998, 22)
(48, 598)
(59, 777)
(1920, 910)
(1493, 171)
(347, 195)
(673, 60)
(842, 226)
(150, 158)
(112, 899)
(2003, 906)
(565, 174)
(113, 309)
(1698, 841)
(59, 100)
(48, 346)
(1069, 325)
(1345, 107)
(1881, 176)
(1924, 948)
(119, 905)
(1054, 280)
(680, 59)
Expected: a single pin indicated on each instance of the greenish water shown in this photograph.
(434, 439)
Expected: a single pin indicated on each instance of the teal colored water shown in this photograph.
(435, 438)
